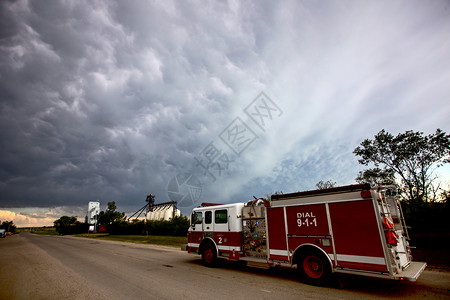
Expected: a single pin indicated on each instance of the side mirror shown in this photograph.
(193, 217)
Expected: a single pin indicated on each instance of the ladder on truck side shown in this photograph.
(396, 237)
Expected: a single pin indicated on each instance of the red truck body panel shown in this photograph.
(345, 225)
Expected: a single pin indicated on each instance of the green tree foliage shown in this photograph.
(321, 185)
(177, 226)
(69, 225)
(410, 155)
(428, 217)
(111, 216)
(377, 177)
(8, 226)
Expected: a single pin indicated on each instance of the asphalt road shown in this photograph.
(54, 267)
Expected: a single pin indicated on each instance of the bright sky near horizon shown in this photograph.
(206, 101)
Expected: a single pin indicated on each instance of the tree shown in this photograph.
(111, 216)
(321, 185)
(8, 226)
(410, 155)
(69, 225)
(377, 177)
(177, 226)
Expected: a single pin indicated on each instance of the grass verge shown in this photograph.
(40, 230)
(171, 241)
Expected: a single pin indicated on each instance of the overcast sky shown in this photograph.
(205, 101)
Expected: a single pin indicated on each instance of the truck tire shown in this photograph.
(314, 268)
(209, 255)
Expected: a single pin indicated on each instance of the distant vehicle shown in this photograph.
(2, 233)
(349, 229)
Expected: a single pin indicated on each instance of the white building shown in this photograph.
(93, 211)
(163, 213)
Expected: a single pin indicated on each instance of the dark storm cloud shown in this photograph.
(104, 100)
(56, 144)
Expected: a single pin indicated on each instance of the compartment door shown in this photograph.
(276, 232)
(357, 236)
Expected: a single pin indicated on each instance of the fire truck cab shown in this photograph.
(350, 229)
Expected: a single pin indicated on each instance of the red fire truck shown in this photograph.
(349, 229)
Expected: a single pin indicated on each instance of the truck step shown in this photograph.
(260, 265)
(412, 272)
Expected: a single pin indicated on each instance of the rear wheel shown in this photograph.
(209, 255)
(314, 268)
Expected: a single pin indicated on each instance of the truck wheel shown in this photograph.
(209, 255)
(314, 268)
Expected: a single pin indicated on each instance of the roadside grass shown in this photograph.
(40, 230)
(171, 241)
